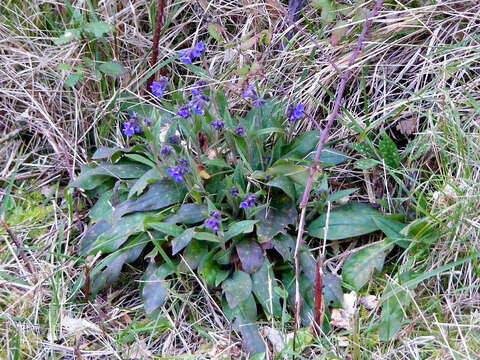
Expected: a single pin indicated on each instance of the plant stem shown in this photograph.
(316, 166)
(156, 38)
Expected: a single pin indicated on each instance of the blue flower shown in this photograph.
(158, 87)
(199, 104)
(198, 87)
(240, 131)
(214, 222)
(166, 150)
(184, 112)
(248, 202)
(218, 125)
(186, 56)
(198, 50)
(251, 94)
(128, 129)
(234, 191)
(174, 140)
(173, 172)
(295, 113)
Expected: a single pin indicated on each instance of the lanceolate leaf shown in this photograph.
(346, 221)
(250, 254)
(98, 28)
(112, 68)
(389, 151)
(149, 177)
(154, 291)
(263, 284)
(280, 214)
(359, 267)
(188, 214)
(193, 254)
(237, 288)
(240, 227)
(285, 245)
(181, 241)
(158, 196)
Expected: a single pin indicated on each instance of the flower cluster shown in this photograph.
(159, 87)
(248, 202)
(214, 222)
(188, 55)
(166, 151)
(234, 191)
(295, 113)
(251, 94)
(178, 171)
(174, 140)
(132, 126)
(198, 103)
(240, 131)
(218, 125)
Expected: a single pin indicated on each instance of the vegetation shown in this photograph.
(164, 219)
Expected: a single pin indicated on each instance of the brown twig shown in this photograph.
(87, 287)
(316, 160)
(156, 38)
(12, 134)
(19, 246)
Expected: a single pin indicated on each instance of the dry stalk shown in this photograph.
(156, 38)
(316, 165)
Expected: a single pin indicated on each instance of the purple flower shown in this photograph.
(240, 131)
(199, 87)
(215, 214)
(166, 150)
(218, 125)
(174, 172)
(174, 140)
(248, 202)
(186, 56)
(234, 191)
(184, 112)
(178, 171)
(198, 50)
(183, 166)
(251, 94)
(128, 129)
(295, 113)
(212, 224)
(158, 87)
(268, 177)
(199, 104)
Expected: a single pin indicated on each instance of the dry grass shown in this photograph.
(420, 69)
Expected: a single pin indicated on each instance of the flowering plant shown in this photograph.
(208, 189)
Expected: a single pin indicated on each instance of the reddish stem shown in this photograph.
(156, 38)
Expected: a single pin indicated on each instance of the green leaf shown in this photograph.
(332, 290)
(98, 28)
(179, 243)
(341, 194)
(365, 164)
(393, 307)
(237, 228)
(215, 32)
(163, 227)
(73, 79)
(359, 267)
(88, 177)
(251, 339)
(154, 291)
(207, 236)
(281, 213)
(250, 254)
(296, 173)
(263, 282)
(159, 195)
(208, 268)
(285, 184)
(68, 36)
(364, 149)
(112, 68)
(346, 221)
(188, 214)
(237, 288)
(193, 254)
(392, 229)
(389, 151)
(149, 177)
(108, 271)
(106, 153)
(285, 245)
(115, 234)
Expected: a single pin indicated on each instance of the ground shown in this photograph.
(417, 78)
